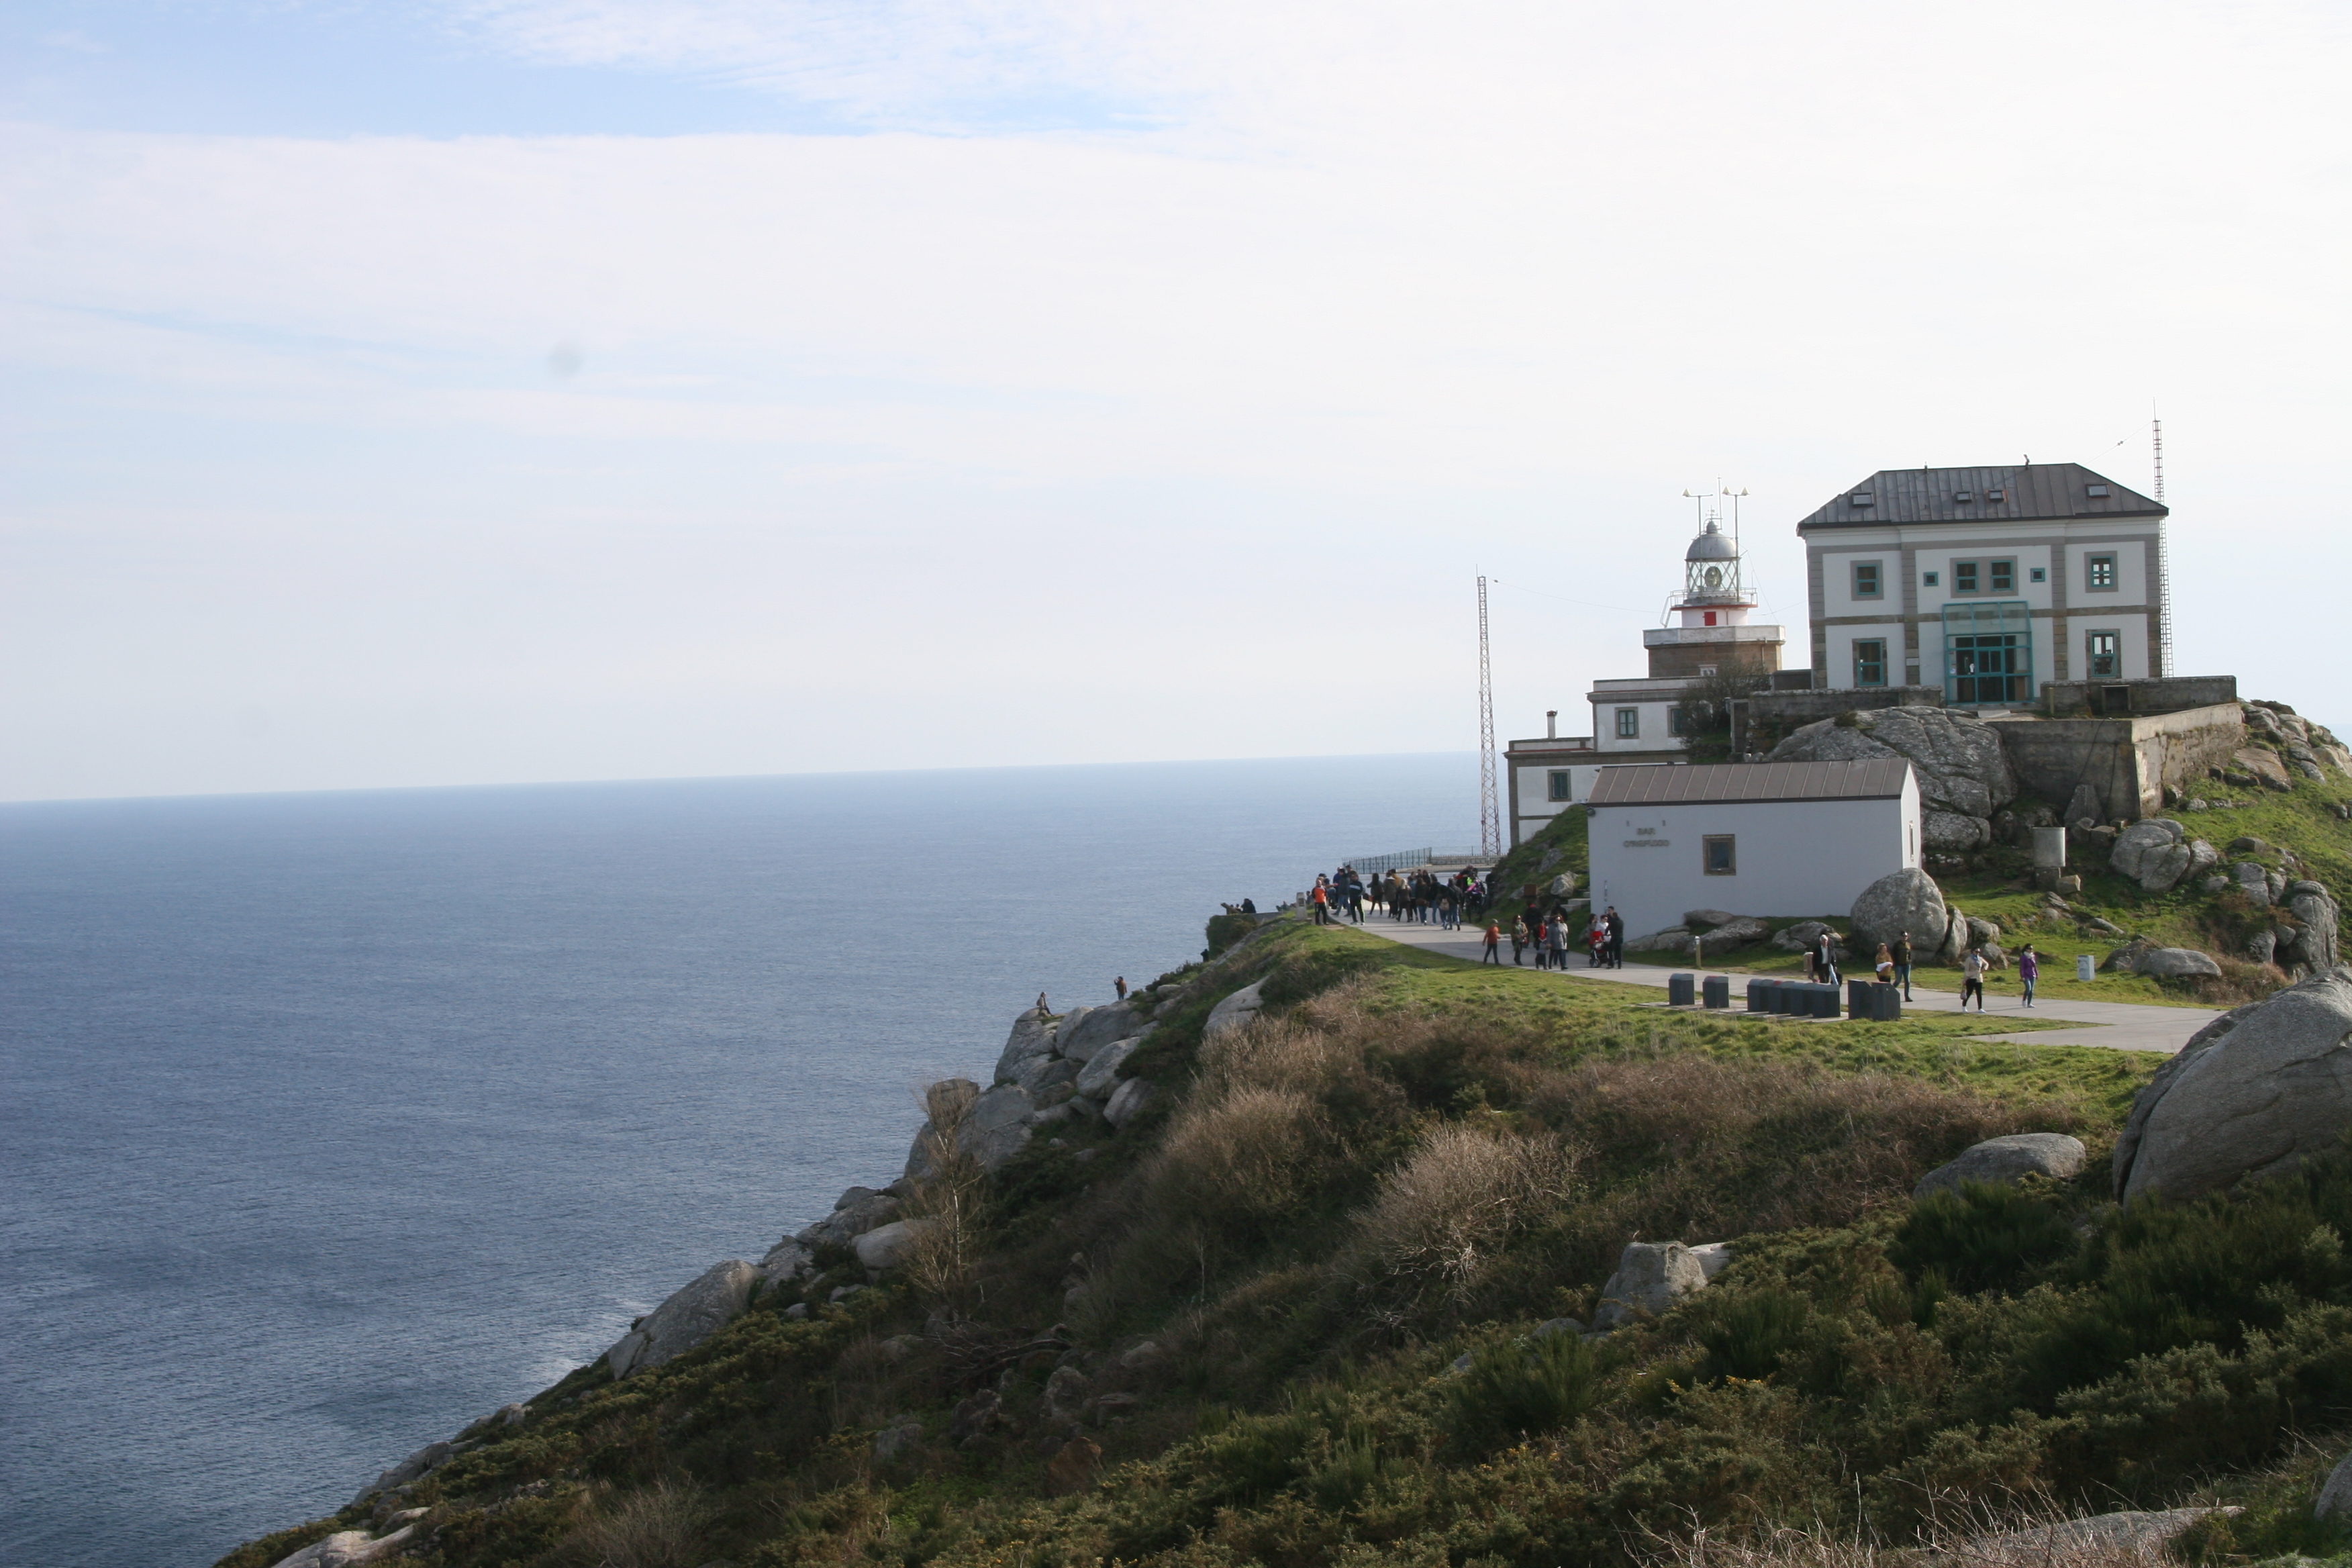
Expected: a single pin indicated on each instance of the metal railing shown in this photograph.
(1411, 859)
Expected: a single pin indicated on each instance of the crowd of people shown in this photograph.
(1421, 897)
(1550, 931)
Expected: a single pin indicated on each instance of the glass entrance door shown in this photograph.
(1987, 653)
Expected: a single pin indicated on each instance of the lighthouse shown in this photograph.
(1710, 630)
(1706, 633)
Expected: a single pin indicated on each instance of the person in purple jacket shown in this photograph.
(2029, 970)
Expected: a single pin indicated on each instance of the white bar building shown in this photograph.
(1753, 838)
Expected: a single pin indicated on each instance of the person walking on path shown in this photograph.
(1884, 967)
(1322, 904)
(1596, 942)
(1519, 937)
(1616, 924)
(2029, 970)
(1825, 958)
(1903, 962)
(1972, 972)
(1558, 943)
(1494, 954)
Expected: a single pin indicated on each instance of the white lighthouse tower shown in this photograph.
(1706, 633)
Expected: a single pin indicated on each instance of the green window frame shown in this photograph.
(1559, 785)
(1720, 854)
(1963, 576)
(1629, 723)
(2001, 576)
(1869, 580)
(2099, 574)
(1870, 661)
(1987, 653)
(2102, 652)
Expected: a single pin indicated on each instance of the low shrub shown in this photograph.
(1510, 1389)
(1984, 1236)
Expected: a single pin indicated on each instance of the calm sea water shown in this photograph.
(333, 1121)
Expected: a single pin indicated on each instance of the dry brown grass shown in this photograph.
(1442, 1216)
(2018, 1535)
(659, 1527)
(943, 1262)
(1241, 1153)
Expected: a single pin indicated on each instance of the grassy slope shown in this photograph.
(1302, 1402)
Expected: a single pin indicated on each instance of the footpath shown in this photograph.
(2122, 1026)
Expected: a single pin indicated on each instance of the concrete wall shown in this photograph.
(2128, 762)
(2084, 699)
(1794, 858)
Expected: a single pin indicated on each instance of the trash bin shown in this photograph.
(1825, 1001)
(1886, 1003)
(1682, 990)
(2085, 967)
(1857, 998)
(1717, 990)
(1760, 995)
(1776, 998)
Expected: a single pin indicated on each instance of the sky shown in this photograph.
(483, 390)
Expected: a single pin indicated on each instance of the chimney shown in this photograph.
(1551, 723)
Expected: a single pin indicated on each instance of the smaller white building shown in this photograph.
(1753, 838)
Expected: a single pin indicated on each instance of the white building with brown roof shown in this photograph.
(1754, 838)
(1987, 583)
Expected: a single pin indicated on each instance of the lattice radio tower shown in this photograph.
(1490, 814)
(2163, 560)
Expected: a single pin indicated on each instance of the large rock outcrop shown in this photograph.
(1234, 1011)
(2158, 853)
(2254, 1092)
(1651, 1276)
(2004, 1160)
(2318, 919)
(1032, 1040)
(1897, 902)
(1963, 776)
(690, 1316)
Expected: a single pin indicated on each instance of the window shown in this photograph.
(1995, 494)
(1721, 854)
(1963, 576)
(1961, 496)
(1675, 721)
(2039, 573)
(1866, 580)
(1929, 579)
(2004, 576)
(1870, 661)
(1561, 786)
(2099, 574)
(1629, 723)
(2107, 655)
(1862, 498)
(2097, 492)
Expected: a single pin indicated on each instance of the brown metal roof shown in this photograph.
(1878, 778)
(2039, 491)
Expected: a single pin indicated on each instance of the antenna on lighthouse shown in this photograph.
(2163, 557)
(1490, 814)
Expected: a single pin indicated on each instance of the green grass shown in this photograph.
(1604, 1018)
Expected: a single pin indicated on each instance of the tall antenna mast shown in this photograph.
(1490, 814)
(2163, 560)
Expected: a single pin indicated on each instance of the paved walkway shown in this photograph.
(2123, 1026)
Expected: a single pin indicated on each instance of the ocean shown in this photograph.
(333, 1121)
